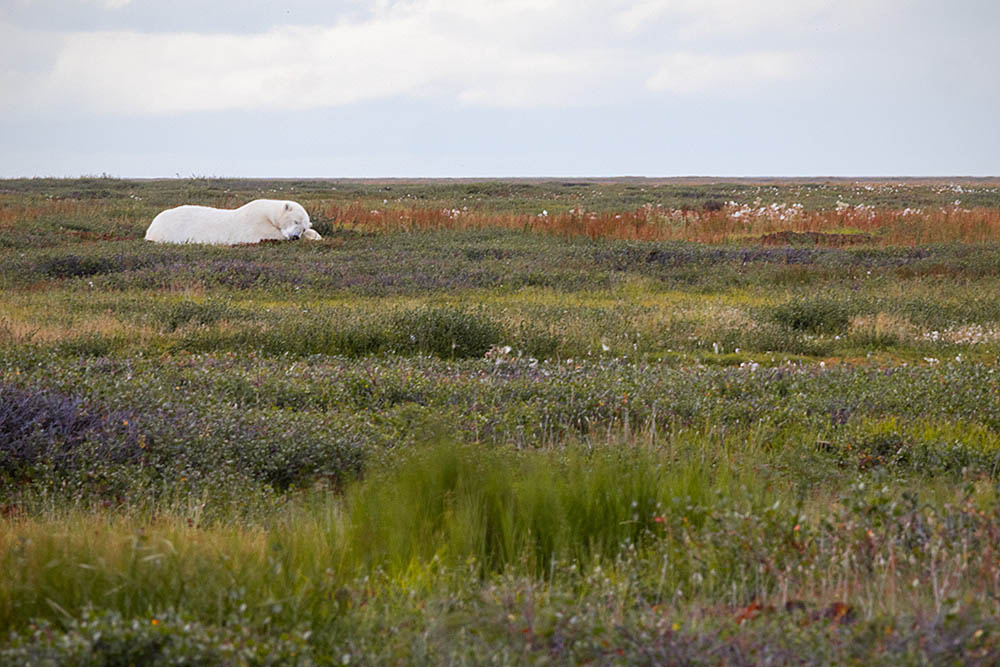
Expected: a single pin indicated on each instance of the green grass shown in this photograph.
(621, 533)
(490, 445)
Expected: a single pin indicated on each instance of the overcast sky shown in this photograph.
(349, 88)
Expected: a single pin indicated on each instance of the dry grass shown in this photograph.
(25, 330)
(17, 210)
(775, 224)
(884, 325)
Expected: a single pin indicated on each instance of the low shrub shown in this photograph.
(813, 315)
(107, 638)
(178, 314)
(75, 266)
(445, 332)
(536, 341)
(43, 427)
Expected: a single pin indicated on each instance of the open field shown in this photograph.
(628, 421)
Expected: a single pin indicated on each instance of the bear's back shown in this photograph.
(202, 224)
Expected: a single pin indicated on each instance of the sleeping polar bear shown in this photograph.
(256, 221)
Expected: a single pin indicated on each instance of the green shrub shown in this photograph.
(329, 332)
(75, 266)
(536, 341)
(105, 639)
(445, 332)
(813, 315)
(181, 313)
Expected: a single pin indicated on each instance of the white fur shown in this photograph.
(256, 221)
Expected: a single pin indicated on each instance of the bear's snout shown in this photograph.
(294, 237)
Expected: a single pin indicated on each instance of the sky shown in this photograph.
(495, 88)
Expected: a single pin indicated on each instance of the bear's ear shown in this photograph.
(288, 207)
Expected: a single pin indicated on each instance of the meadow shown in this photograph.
(624, 421)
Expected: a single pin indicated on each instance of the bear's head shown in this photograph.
(292, 220)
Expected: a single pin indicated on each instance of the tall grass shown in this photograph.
(642, 526)
(446, 504)
(504, 509)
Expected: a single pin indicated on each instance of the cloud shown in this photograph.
(288, 68)
(470, 57)
(299, 68)
(538, 53)
(699, 19)
(693, 73)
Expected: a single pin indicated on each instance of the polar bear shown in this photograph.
(256, 221)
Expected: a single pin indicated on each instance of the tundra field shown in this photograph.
(523, 422)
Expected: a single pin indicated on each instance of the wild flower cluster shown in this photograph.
(969, 334)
